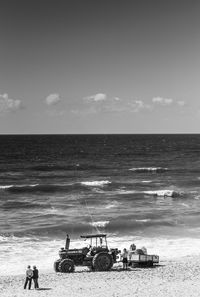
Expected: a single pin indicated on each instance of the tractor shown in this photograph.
(96, 255)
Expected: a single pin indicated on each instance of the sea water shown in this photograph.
(142, 189)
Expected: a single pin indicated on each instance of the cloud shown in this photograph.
(101, 103)
(52, 99)
(162, 101)
(117, 99)
(91, 104)
(97, 97)
(181, 103)
(9, 105)
(167, 102)
(137, 106)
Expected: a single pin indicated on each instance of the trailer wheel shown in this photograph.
(102, 262)
(134, 265)
(56, 264)
(66, 266)
(149, 264)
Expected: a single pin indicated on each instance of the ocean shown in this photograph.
(142, 189)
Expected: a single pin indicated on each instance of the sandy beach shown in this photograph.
(177, 278)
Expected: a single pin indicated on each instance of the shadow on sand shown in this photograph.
(43, 289)
(117, 269)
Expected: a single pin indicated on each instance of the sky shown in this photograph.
(99, 66)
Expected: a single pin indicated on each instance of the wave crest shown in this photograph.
(164, 193)
(96, 183)
(5, 187)
(100, 224)
(149, 169)
(33, 188)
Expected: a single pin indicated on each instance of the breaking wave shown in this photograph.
(43, 188)
(143, 220)
(96, 183)
(149, 169)
(164, 193)
(5, 187)
(51, 188)
(100, 224)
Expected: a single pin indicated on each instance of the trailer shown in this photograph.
(143, 260)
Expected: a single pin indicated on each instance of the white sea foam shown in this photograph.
(6, 187)
(146, 181)
(148, 169)
(164, 193)
(112, 205)
(21, 186)
(197, 197)
(96, 183)
(185, 205)
(18, 186)
(100, 224)
(143, 221)
(17, 253)
(126, 192)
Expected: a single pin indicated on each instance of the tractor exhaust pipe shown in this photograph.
(67, 242)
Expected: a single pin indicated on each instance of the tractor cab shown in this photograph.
(98, 243)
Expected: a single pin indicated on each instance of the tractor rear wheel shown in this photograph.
(66, 265)
(102, 262)
(56, 264)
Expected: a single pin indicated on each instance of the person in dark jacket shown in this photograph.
(29, 275)
(35, 277)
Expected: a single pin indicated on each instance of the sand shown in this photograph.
(179, 277)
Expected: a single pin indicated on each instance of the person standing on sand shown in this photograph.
(67, 242)
(132, 250)
(29, 275)
(35, 277)
(125, 259)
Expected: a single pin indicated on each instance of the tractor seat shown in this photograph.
(98, 249)
(85, 250)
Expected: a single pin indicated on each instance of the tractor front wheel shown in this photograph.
(66, 266)
(56, 264)
(102, 262)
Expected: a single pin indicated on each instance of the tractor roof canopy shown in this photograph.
(93, 235)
